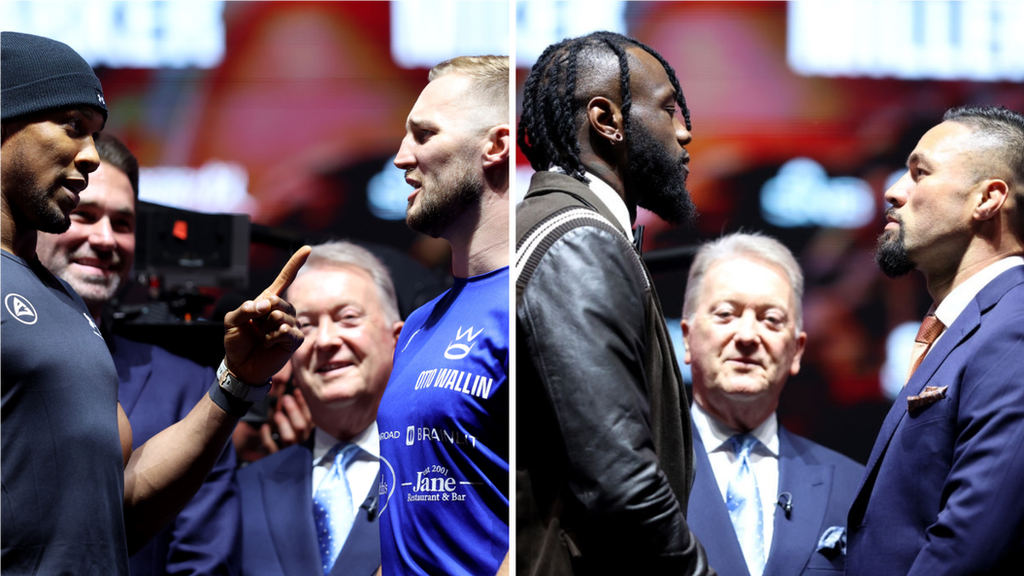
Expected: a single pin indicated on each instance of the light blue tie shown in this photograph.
(744, 503)
(332, 505)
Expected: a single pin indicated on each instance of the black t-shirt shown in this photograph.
(62, 468)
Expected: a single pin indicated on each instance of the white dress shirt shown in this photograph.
(362, 471)
(958, 298)
(764, 462)
(609, 198)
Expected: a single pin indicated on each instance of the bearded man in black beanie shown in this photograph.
(76, 498)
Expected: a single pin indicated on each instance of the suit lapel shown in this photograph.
(361, 552)
(924, 372)
(133, 374)
(796, 537)
(964, 326)
(288, 501)
(710, 518)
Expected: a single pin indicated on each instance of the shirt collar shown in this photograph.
(715, 435)
(609, 198)
(958, 299)
(368, 440)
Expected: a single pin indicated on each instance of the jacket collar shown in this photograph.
(547, 182)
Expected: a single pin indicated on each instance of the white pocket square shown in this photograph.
(832, 541)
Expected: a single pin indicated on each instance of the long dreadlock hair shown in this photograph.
(551, 108)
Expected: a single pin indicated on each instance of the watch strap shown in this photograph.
(235, 387)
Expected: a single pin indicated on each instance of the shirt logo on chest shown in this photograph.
(21, 309)
(457, 350)
(95, 328)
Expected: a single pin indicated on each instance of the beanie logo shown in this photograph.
(99, 96)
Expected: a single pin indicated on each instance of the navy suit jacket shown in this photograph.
(942, 489)
(822, 484)
(157, 389)
(278, 535)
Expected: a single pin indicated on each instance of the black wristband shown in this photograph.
(230, 404)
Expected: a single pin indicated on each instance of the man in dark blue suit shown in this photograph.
(942, 490)
(346, 308)
(764, 501)
(155, 388)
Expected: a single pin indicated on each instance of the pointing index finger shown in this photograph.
(287, 275)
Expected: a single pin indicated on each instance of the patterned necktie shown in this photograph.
(931, 327)
(332, 505)
(744, 503)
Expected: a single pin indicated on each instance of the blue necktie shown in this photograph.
(332, 505)
(744, 503)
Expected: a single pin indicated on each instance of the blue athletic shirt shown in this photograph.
(444, 438)
(62, 468)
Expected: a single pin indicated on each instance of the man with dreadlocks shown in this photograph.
(605, 459)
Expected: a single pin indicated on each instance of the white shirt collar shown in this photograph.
(368, 440)
(609, 198)
(715, 435)
(958, 299)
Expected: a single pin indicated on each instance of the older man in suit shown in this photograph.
(765, 501)
(312, 508)
(155, 387)
(941, 494)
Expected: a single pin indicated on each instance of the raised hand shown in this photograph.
(260, 336)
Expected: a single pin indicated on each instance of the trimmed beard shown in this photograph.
(46, 219)
(457, 188)
(658, 181)
(36, 208)
(891, 253)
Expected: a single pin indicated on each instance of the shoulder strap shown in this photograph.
(538, 239)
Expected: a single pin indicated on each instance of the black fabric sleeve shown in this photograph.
(583, 313)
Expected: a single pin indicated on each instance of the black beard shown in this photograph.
(658, 181)
(45, 219)
(891, 254)
(35, 208)
(440, 208)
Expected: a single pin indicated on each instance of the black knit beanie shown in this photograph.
(41, 74)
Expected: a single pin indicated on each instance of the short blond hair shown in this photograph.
(490, 74)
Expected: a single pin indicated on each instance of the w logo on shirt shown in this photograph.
(457, 350)
(21, 309)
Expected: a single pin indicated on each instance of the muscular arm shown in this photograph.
(163, 474)
(583, 315)
(205, 538)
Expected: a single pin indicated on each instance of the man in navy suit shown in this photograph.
(764, 501)
(346, 308)
(155, 388)
(941, 493)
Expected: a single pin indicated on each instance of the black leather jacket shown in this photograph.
(604, 454)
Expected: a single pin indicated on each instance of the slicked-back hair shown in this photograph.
(114, 152)
(756, 246)
(490, 74)
(1000, 123)
(552, 109)
(339, 255)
